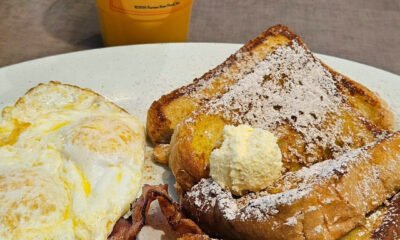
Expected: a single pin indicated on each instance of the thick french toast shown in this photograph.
(323, 201)
(165, 113)
(389, 222)
(381, 224)
(315, 112)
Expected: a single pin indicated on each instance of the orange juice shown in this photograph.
(144, 21)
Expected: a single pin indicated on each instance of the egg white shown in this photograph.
(70, 164)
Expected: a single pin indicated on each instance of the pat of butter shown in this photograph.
(248, 160)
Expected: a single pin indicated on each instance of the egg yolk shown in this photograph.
(19, 127)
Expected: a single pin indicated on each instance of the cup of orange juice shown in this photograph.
(143, 21)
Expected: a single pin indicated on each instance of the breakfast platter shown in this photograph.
(133, 77)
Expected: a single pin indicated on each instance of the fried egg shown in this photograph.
(70, 164)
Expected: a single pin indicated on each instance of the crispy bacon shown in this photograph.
(128, 229)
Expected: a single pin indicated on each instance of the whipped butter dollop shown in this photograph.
(249, 159)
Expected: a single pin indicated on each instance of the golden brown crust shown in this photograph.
(368, 118)
(390, 227)
(186, 163)
(161, 153)
(189, 165)
(370, 105)
(337, 195)
(160, 124)
(178, 166)
(365, 118)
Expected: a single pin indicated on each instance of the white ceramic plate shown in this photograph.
(135, 76)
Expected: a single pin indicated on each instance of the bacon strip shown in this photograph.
(128, 229)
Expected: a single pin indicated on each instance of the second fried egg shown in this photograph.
(70, 164)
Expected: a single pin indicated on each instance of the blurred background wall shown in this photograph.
(366, 31)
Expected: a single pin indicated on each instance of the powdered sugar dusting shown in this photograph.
(318, 229)
(291, 221)
(289, 86)
(390, 222)
(241, 63)
(321, 171)
(208, 195)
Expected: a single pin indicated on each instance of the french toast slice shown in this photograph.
(381, 224)
(323, 201)
(165, 113)
(315, 112)
(389, 222)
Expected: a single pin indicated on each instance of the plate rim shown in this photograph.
(133, 46)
